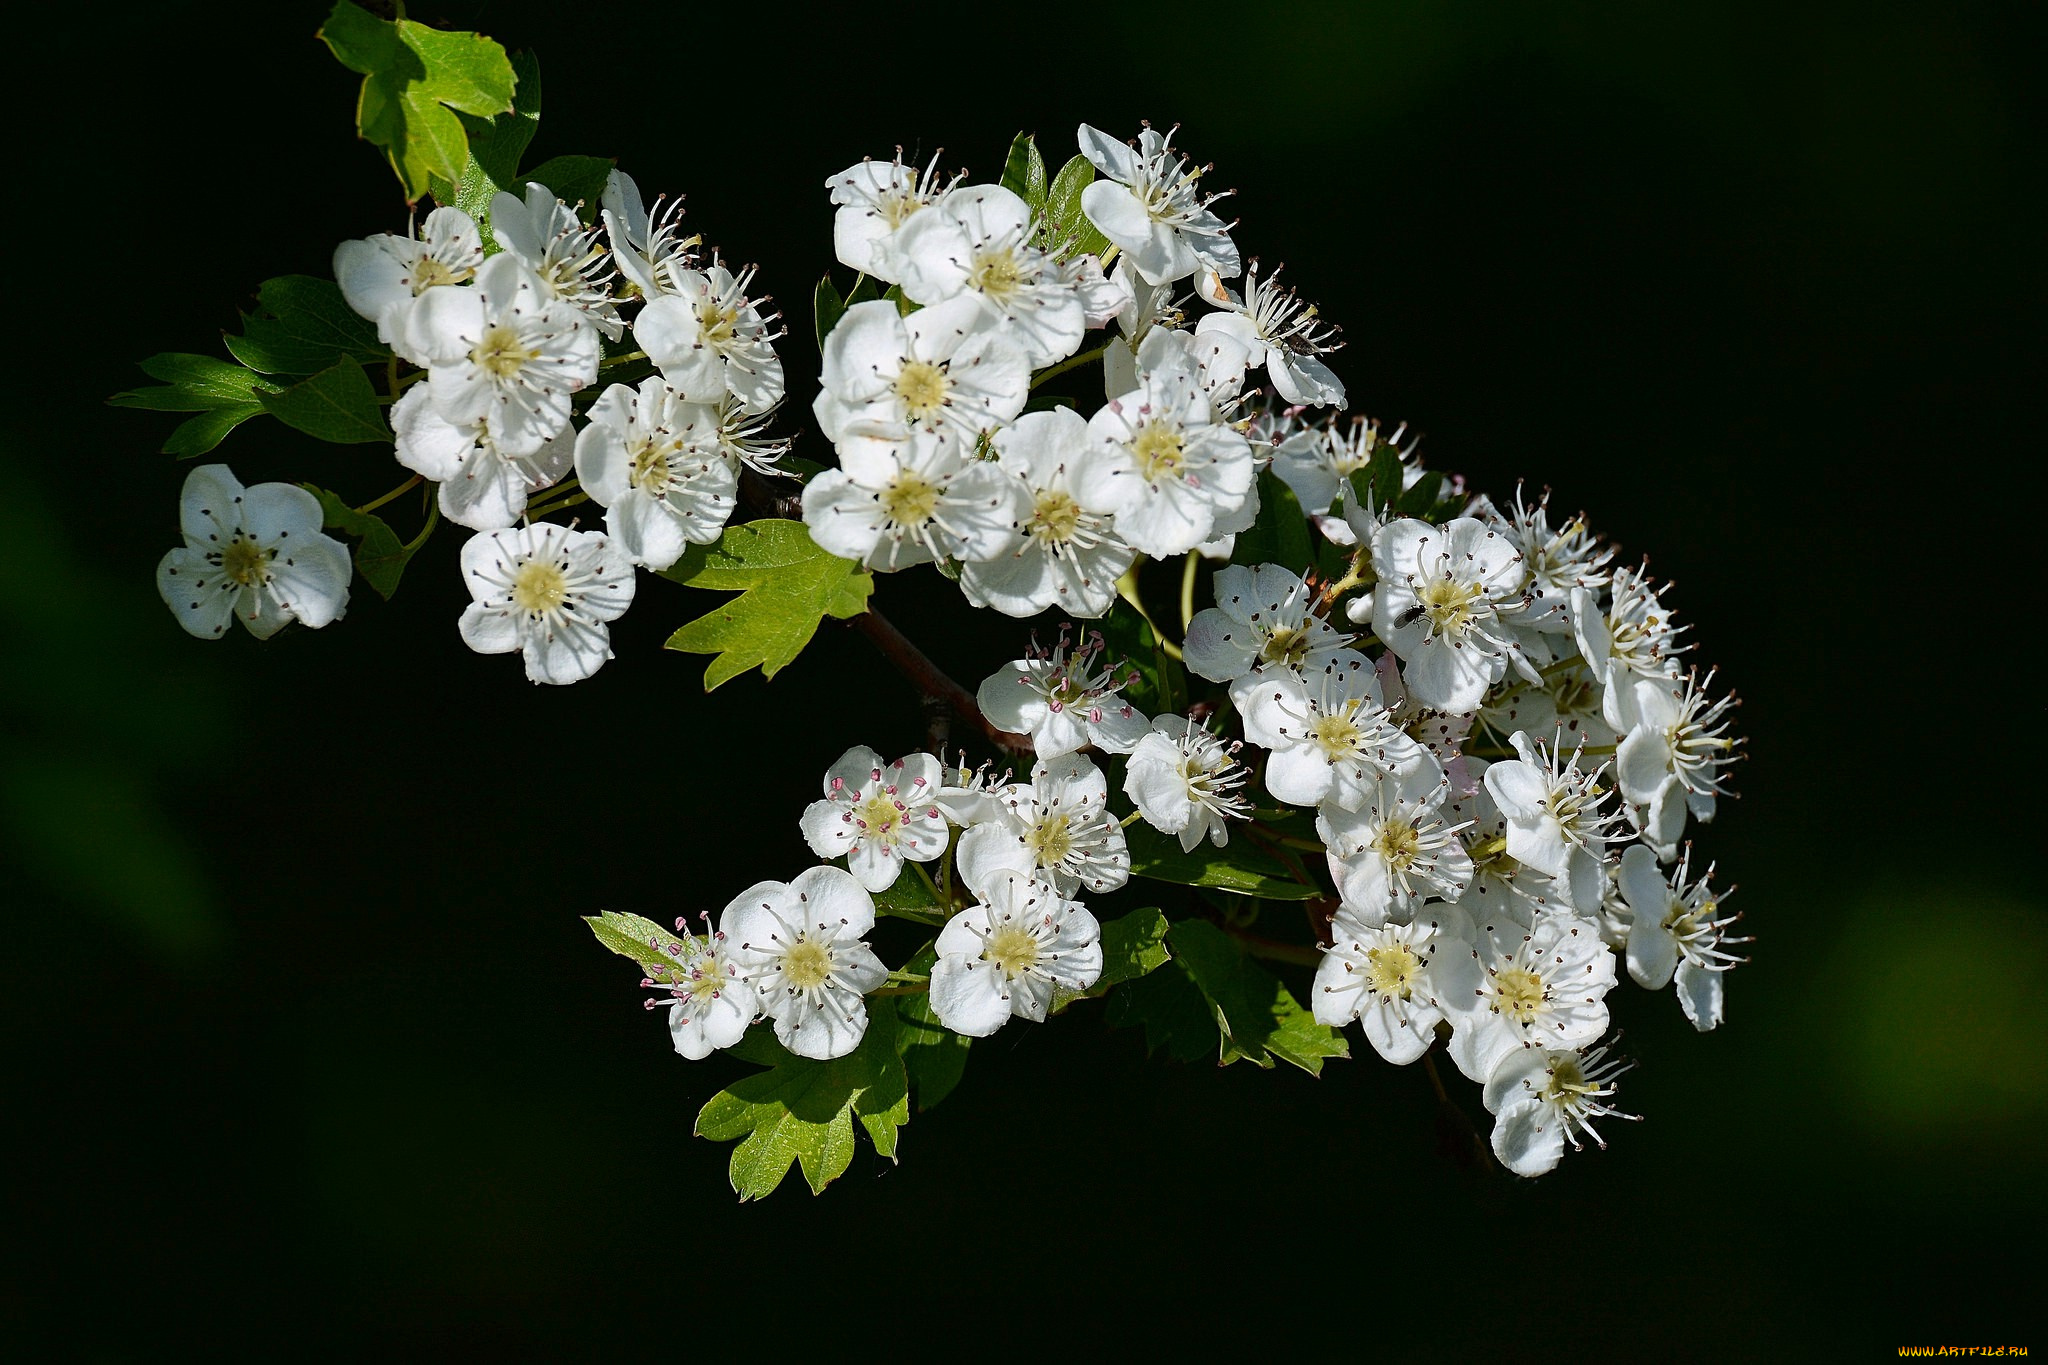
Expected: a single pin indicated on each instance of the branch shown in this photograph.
(940, 691)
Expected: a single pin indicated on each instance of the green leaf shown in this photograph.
(303, 325)
(380, 555)
(1258, 1018)
(934, 1057)
(787, 586)
(828, 306)
(497, 144)
(339, 404)
(224, 395)
(1024, 172)
(1065, 229)
(1133, 946)
(1280, 536)
(1240, 868)
(1173, 1012)
(802, 1111)
(1420, 500)
(909, 898)
(1162, 685)
(416, 80)
(577, 180)
(646, 942)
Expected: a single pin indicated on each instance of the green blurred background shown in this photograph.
(306, 1048)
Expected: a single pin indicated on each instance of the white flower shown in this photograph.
(1063, 701)
(968, 796)
(381, 276)
(481, 485)
(741, 440)
(1557, 819)
(875, 815)
(1008, 955)
(256, 553)
(656, 463)
(1633, 635)
(1440, 605)
(710, 1004)
(1502, 888)
(875, 198)
(1184, 781)
(1151, 208)
(1558, 560)
(1102, 296)
(1317, 464)
(1393, 979)
(708, 338)
(1674, 930)
(1542, 1098)
(1673, 748)
(565, 256)
(1277, 331)
(887, 376)
(970, 262)
(1544, 986)
(1330, 736)
(645, 247)
(1397, 849)
(892, 504)
(1070, 555)
(505, 355)
(1056, 827)
(1263, 619)
(1167, 471)
(1567, 703)
(801, 945)
(546, 591)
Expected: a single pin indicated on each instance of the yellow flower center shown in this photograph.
(807, 964)
(1518, 993)
(539, 587)
(1336, 734)
(1399, 843)
(1391, 970)
(1567, 1080)
(1050, 840)
(1159, 451)
(245, 562)
(921, 387)
(650, 463)
(879, 814)
(717, 323)
(910, 500)
(1448, 603)
(1287, 646)
(428, 272)
(499, 354)
(1012, 950)
(996, 274)
(1056, 517)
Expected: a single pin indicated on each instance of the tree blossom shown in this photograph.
(1673, 748)
(1440, 603)
(802, 946)
(1395, 850)
(254, 553)
(1070, 555)
(656, 463)
(1151, 208)
(645, 247)
(1317, 464)
(1278, 332)
(1557, 819)
(709, 1002)
(874, 199)
(1542, 1098)
(1634, 634)
(1056, 827)
(504, 355)
(566, 257)
(481, 485)
(1545, 986)
(1331, 738)
(1263, 619)
(1392, 978)
(876, 815)
(1008, 955)
(708, 338)
(970, 262)
(1184, 781)
(381, 276)
(546, 591)
(893, 504)
(1673, 930)
(1063, 701)
(1167, 470)
(887, 376)
(1558, 560)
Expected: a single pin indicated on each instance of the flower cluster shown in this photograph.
(501, 335)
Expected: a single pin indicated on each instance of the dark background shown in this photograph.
(305, 1046)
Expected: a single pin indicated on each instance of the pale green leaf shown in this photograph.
(644, 941)
(1064, 229)
(787, 586)
(303, 325)
(1024, 172)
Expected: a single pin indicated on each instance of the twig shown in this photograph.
(940, 690)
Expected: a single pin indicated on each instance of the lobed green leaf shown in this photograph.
(1258, 1019)
(224, 394)
(787, 587)
(380, 556)
(1133, 945)
(303, 325)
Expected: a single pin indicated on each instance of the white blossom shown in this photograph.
(1070, 555)
(546, 591)
(1167, 470)
(1393, 979)
(1396, 849)
(1152, 208)
(255, 553)
(969, 260)
(1008, 955)
(1185, 780)
(1674, 930)
(1063, 700)
(874, 199)
(802, 946)
(1264, 618)
(645, 247)
(709, 1002)
(1331, 738)
(1056, 827)
(1674, 746)
(480, 484)
(887, 376)
(505, 354)
(565, 256)
(1634, 634)
(1558, 819)
(1542, 1098)
(656, 463)
(708, 338)
(381, 276)
(876, 815)
(1544, 986)
(1558, 560)
(893, 504)
(1279, 332)
(1440, 604)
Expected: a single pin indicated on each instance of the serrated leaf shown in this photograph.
(787, 586)
(415, 80)
(303, 325)
(1257, 1017)
(339, 404)
(1239, 868)
(1064, 228)
(1280, 535)
(802, 1111)
(1133, 945)
(224, 394)
(1024, 172)
(828, 307)
(642, 940)
(380, 556)
(576, 180)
